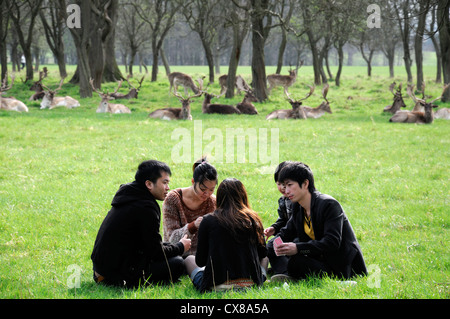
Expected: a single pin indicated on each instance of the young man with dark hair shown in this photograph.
(284, 213)
(318, 239)
(128, 250)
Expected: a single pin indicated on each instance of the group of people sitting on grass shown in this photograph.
(218, 240)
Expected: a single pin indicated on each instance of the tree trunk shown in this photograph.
(444, 37)
(164, 60)
(418, 41)
(258, 64)
(281, 50)
(209, 58)
(82, 39)
(155, 51)
(233, 65)
(3, 47)
(111, 72)
(315, 57)
(340, 50)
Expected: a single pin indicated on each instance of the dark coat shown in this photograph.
(225, 256)
(129, 237)
(284, 213)
(335, 240)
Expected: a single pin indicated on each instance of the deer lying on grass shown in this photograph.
(10, 103)
(443, 113)
(297, 111)
(132, 94)
(223, 84)
(178, 78)
(317, 112)
(245, 107)
(183, 113)
(51, 101)
(38, 88)
(398, 102)
(105, 106)
(209, 108)
(418, 117)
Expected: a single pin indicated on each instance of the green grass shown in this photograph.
(59, 170)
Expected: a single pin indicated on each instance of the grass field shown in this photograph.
(59, 170)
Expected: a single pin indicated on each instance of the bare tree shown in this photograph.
(159, 14)
(133, 33)
(431, 32)
(424, 6)
(82, 40)
(53, 22)
(202, 19)
(4, 21)
(238, 20)
(286, 10)
(443, 14)
(23, 15)
(390, 34)
(402, 10)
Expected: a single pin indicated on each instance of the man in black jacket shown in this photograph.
(318, 239)
(128, 250)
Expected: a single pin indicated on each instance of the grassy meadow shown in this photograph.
(59, 170)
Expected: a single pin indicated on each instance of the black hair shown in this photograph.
(278, 169)
(204, 171)
(151, 170)
(298, 172)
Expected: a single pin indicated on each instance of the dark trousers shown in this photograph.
(163, 272)
(298, 266)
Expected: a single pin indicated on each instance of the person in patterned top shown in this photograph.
(184, 208)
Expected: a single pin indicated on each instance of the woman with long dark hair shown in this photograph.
(184, 208)
(231, 243)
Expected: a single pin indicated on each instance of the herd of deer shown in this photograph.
(246, 106)
(422, 112)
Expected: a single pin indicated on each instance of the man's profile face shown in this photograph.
(159, 189)
(294, 191)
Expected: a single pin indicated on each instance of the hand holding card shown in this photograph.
(277, 241)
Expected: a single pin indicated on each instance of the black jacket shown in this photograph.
(129, 239)
(334, 241)
(225, 256)
(284, 213)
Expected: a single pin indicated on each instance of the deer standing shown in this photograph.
(398, 102)
(10, 103)
(51, 101)
(132, 94)
(285, 81)
(178, 78)
(297, 111)
(418, 117)
(105, 106)
(223, 84)
(317, 112)
(172, 113)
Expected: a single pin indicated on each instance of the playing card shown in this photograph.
(278, 241)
